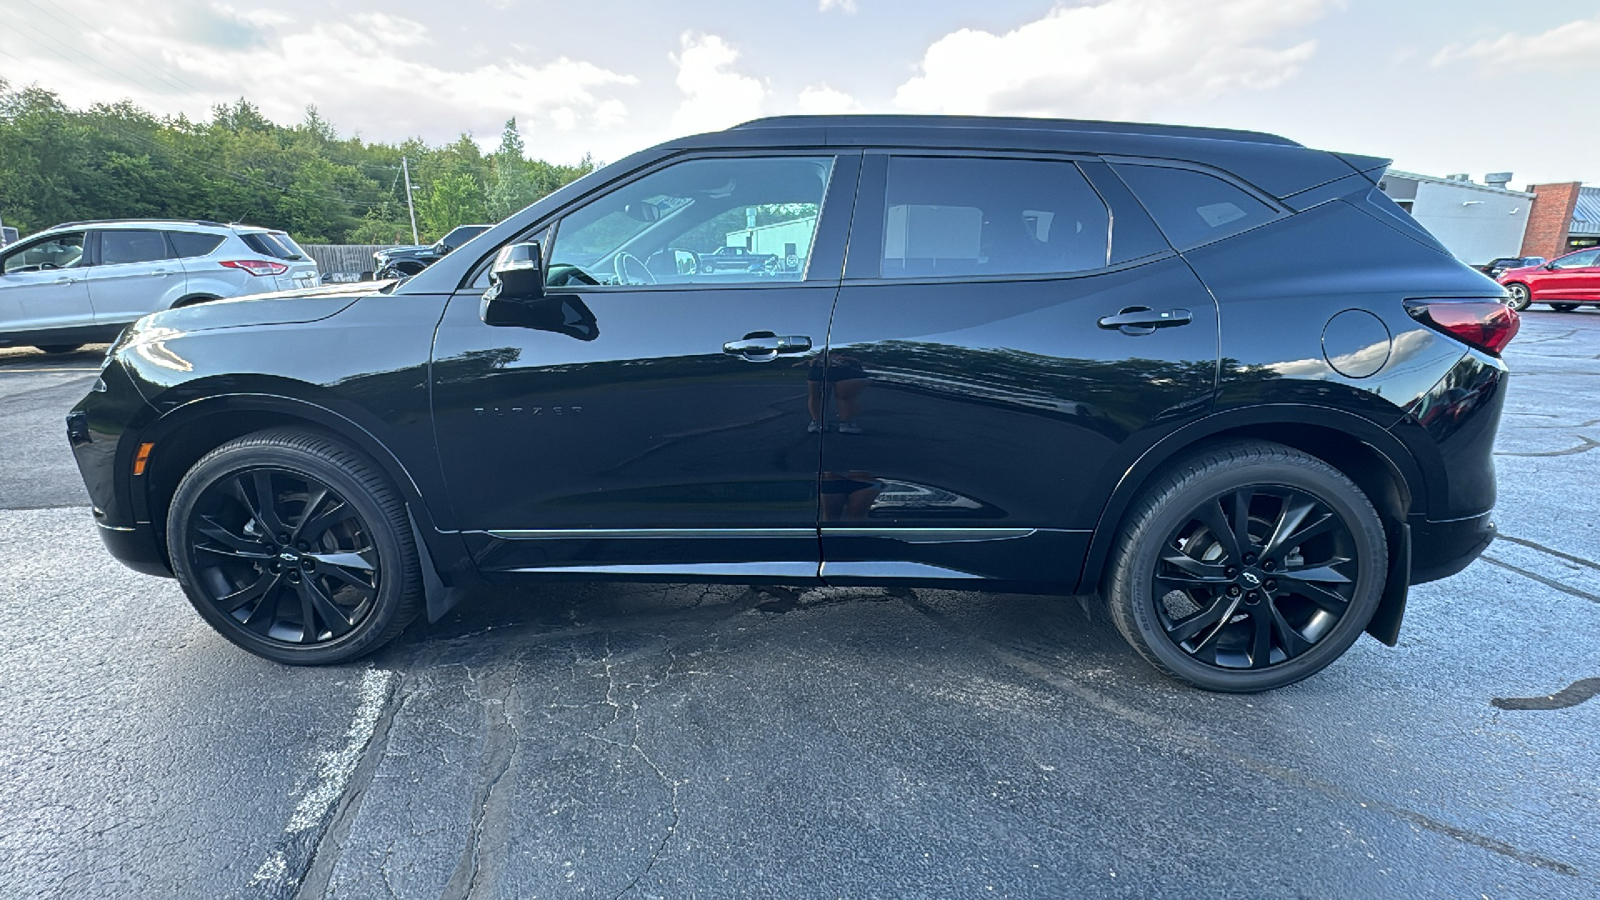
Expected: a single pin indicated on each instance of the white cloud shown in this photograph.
(1115, 58)
(848, 6)
(1573, 46)
(717, 96)
(821, 100)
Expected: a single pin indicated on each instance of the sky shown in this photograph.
(1440, 86)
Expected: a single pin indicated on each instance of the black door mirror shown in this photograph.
(516, 278)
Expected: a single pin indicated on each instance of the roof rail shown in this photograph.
(1017, 123)
(138, 221)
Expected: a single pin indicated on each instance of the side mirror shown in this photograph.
(516, 278)
(644, 212)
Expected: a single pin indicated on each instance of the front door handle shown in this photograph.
(66, 279)
(1143, 320)
(162, 272)
(764, 346)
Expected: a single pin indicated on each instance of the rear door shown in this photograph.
(135, 275)
(42, 285)
(980, 389)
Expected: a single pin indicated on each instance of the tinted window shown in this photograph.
(1580, 260)
(959, 217)
(673, 226)
(63, 251)
(1193, 207)
(131, 246)
(272, 243)
(190, 243)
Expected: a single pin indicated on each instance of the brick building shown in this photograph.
(1565, 217)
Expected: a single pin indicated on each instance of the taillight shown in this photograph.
(257, 266)
(1488, 325)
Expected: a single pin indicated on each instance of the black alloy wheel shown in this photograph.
(1518, 296)
(294, 548)
(1251, 567)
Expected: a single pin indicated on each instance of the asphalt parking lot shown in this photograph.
(698, 741)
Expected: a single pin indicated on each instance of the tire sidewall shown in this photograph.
(231, 460)
(1327, 486)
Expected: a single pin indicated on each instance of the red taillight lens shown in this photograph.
(257, 266)
(1485, 324)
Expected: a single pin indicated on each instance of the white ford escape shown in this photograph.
(82, 282)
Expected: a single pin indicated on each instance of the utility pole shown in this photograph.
(405, 172)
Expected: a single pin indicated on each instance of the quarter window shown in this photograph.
(63, 251)
(192, 243)
(131, 246)
(975, 217)
(1193, 207)
(709, 221)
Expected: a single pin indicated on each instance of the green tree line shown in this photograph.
(116, 160)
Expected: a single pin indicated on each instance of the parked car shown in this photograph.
(1565, 282)
(1494, 267)
(401, 262)
(736, 259)
(8, 235)
(83, 282)
(1094, 358)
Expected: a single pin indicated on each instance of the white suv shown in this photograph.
(82, 282)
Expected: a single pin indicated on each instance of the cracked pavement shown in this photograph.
(707, 741)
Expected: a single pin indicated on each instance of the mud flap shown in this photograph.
(439, 598)
(1385, 622)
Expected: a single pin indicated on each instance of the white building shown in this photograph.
(1476, 222)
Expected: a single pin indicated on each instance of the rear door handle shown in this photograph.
(764, 346)
(163, 272)
(1143, 320)
(66, 279)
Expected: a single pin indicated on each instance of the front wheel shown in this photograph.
(1518, 298)
(1247, 567)
(294, 548)
(1563, 307)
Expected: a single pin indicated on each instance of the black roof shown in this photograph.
(1278, 166)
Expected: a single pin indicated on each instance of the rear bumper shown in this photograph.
(1441, 549)
(136, 547)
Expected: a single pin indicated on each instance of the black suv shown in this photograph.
(401, 262)
(1215, 376)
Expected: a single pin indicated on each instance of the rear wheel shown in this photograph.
(294, 548)
(1563, 307)
(1519, 296)
(58, 348)
(1247, 567)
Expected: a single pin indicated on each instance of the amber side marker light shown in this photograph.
(142, 458)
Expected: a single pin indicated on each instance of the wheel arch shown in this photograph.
(188, 432)
(1364, 451)
(191, 299)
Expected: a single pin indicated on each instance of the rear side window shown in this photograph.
(273, 243)
(1193, 207)
(192, 243)
(131, 246)
(956, 217)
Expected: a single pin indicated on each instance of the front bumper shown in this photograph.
(136, 547)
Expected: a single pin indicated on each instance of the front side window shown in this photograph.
(1193, 207)
(707, 221)
(975, 217)
(131, 246)
(1578, 260)
(62, 251)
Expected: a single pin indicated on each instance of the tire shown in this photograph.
(57, 348)
(193, 301)
(256, 578)
(1563, 307)
(1199, 620)
(1520, 296)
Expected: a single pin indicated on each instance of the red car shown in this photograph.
(1564, 282)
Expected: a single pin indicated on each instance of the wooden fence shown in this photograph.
(343, 259)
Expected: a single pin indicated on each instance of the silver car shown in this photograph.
(82, 282)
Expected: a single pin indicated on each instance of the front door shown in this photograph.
(987, 367)
(659, 426)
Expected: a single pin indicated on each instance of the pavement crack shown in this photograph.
(1571, 695)
(1547, 582)
(1587, 445)
(472, 872)
(1534, 545)
(1163, 728)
